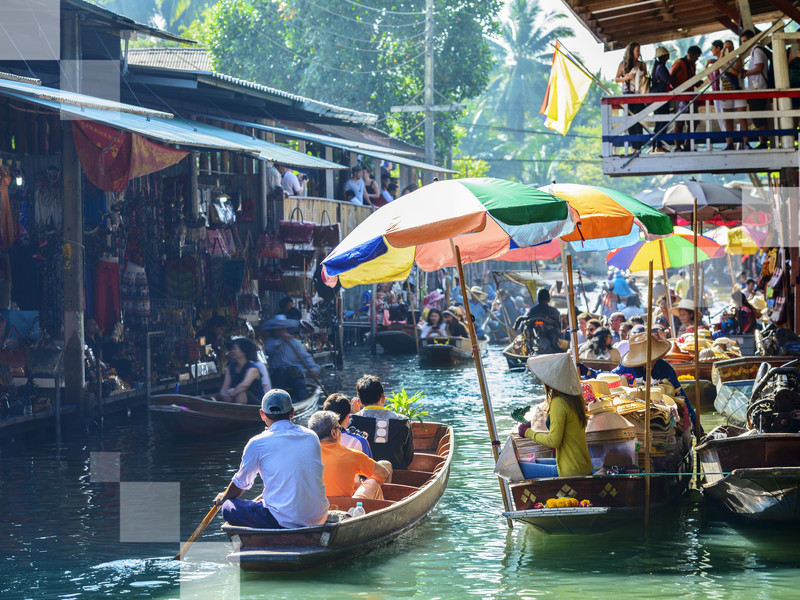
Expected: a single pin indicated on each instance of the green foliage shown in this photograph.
(172, 15)
(366, 56)
(469, 166)
(411, 407)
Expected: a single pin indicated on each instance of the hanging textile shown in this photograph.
(110, 158)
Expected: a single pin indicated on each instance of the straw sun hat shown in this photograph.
(556, 371)
(478, 293)
(685, 304)
(637, 355)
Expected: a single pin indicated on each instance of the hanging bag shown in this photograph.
(13, 358)
(270, 246)
(297, 260)
(296, 232)
(326, 235)
(247, 303)
(269, 280)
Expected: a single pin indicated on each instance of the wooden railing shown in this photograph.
(347, 214)
(703, 127)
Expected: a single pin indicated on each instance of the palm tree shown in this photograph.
(522, 51)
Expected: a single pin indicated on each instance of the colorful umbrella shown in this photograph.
(739, 240)
(608, 219)
(485, 217)
(713, 200)
(678, 252)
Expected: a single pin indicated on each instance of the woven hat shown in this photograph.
(637, 355)
(661, 51)
(279, 322)
(614, 381)
(477, 292)
(556, 371)
(599, 387)
(685, 304)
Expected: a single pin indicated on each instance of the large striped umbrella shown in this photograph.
(484, 217)
(678, 251)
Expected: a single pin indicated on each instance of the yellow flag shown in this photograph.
(566, 90)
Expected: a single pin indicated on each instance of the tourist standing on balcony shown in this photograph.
(682, 71)
(356, 185)
(661, 85)
(290, 183)
(731, 80)
(756, 75)
(632, 74)
(371, 190)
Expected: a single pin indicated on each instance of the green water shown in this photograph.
(60, 534)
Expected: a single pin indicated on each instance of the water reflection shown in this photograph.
(61, 535)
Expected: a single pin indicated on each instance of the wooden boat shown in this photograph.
(732, 400)
(617, 500)
(744, 368)
(448, 350)
(397, 338)
(518, 362)
(412, 494)
(204, 415)
(687, 368)
(755, 476)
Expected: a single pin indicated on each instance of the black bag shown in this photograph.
(297, 260)
(326, 235)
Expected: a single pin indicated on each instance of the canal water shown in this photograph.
(60, 534)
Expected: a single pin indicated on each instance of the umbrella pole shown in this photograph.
(573, 319)
(506, 316)
(733, 275)
(696, 334)
(487, 404)
(413, 316)
(662, 249)
(647, 383)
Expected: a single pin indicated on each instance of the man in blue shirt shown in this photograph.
(289, 362)
(356, 185)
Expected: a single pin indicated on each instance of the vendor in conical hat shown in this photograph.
(635, 363)
(566, 418)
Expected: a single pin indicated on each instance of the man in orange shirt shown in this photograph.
(682, 70)
(343, 465)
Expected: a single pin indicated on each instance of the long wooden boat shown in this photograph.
(397, 338)
(204, 415)
(744, 368)
(413, 493)
(519, 362)
(755, 476)
(448, 350)
(687, 368)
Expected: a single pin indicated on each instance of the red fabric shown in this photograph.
(110, 158)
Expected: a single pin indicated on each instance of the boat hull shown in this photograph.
(754, 476)
(405, 506)
(448, 350)
(203, 416)
(397, 340)
(744, 368)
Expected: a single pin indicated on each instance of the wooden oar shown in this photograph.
(197, 532)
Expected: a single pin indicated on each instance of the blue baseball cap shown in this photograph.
(276, 402)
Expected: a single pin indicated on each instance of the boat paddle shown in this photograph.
(200, 529)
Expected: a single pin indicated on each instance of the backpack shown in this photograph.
(769, 71)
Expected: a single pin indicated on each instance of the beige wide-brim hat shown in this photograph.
(478, 292)
(637, 355)
(557, 371)
(685, 304)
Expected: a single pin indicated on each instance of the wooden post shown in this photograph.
(573, 319)
(663, 250)
(487, 404)
(194, 158)
(73, 227)
(696, 330)
(340, 329)
(647, 383)
(329, 191)
(413, 316)
(730, 266)
(373, 319)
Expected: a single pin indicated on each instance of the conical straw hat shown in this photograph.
(556, 371)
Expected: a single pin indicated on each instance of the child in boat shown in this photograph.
(566, 418)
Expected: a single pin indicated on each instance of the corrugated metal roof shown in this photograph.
(374, 151)
(331, 141)
(186, 59)
(186, 133)
(72, 98)
(121, 21)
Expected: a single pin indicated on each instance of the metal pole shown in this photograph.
(413, 316)
(487, 403)
(430, 144)
(340, 329)
(662, 249)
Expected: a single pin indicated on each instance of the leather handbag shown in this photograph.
(297, 260)
(12, 357)
(42, 359)
(269, 246)
(296, 231)
(269, 280)
(326, 235)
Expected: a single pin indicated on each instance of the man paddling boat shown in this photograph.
(288, 458)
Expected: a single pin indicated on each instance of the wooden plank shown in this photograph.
(787, 8)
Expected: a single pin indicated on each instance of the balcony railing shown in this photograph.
(703, 134)
(347, 214)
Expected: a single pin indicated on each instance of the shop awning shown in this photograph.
(180, 132)
(349, 145)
